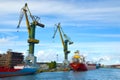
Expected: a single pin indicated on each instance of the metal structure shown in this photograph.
(65, 40)
(31, 31)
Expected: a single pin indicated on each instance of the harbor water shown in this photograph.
(98, 74)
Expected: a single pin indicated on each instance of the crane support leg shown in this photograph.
(31, 59)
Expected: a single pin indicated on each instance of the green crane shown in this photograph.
(30, 27)
(64, 39)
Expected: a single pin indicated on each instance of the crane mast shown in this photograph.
(64, 41)
(31, 31)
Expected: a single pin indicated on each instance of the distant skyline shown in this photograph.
(93, 26)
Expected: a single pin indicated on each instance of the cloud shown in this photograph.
(48, 51)
(0, 52)
(100, 35)
(106, 58)
(93, 51)
(5, 39)
(117, 62)
(96, 50)
(94, 45)
(110, 60)
(48, 55)
(67, 12)
(11, 42)
(45, 7)
(4, 6)
(12, 30)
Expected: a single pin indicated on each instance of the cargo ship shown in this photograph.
(12, 64)
(78, 62)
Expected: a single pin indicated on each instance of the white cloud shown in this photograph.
(96, 50)
(6, 43)
(48, 55)
(117, 62)
(106, 58)
(91, 50)
(10, 42)
(12, 30)
(9, 7)
(5, 39)
(0, 52)
(61, 8)
(97, 45)
(100, 35)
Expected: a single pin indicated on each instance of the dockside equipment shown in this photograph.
(31, 31)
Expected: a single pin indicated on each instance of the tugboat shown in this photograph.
(78, 62)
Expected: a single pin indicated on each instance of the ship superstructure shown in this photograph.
(11, 59)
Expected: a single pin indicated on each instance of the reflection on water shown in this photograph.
(98, 74)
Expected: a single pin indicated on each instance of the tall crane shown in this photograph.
(64, 39)
(31, 30)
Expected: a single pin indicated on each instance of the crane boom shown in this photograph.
(59, 29)
(27, 21)
(34, 18)
(61, 35)
(21, 17)
(24, 12)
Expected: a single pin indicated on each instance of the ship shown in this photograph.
(12, 64)
(78, 62)
(92, 66)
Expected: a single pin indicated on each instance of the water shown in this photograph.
(98, 74)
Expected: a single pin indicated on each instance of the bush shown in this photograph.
(52, 65)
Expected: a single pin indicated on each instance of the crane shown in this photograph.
(31, 30)
(64, 39)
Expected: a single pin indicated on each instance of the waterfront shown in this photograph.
(98, 74)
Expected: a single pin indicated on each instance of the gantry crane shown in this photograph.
(31, 30)
(64, 39)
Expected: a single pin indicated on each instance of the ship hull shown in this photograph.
(91, 66)
(21, 72)
(78, 66)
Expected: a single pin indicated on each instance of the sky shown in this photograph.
(93, 26)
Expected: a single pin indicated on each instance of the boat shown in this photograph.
(8, 72)
(78, 62)
(12, 64)
(91, 66)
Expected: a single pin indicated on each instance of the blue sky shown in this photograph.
(93, 26)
